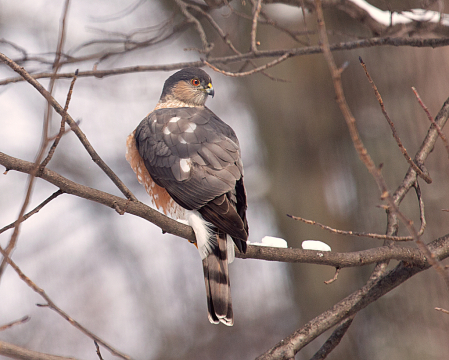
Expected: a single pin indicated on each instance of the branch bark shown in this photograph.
(17, 352)
(121, 205)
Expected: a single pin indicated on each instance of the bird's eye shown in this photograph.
(195, 82)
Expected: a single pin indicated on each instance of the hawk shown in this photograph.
(190, 164)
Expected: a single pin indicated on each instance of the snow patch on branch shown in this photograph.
(271, 241)
(389, 18)
(315, 245)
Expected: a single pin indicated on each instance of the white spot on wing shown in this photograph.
(181, 140)
(174, 119)
(191, 128)
(185, 165)
(167, 131)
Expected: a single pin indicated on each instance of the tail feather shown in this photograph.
(218, 287)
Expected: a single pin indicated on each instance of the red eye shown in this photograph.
(195, 82)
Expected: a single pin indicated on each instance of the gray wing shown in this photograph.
(196, 157)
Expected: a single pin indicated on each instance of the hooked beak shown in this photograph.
(210, 90)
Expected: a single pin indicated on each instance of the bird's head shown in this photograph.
(190, 86)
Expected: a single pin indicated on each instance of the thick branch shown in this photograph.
(333, 340)
(358, 258)
(17, 352)
(114, 202)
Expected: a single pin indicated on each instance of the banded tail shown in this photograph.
(216, 278)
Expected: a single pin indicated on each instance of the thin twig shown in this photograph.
(426, 110)
(266, 20)
(261, 54)
(44, 143)
(337, 271)
(35, 210)
(442, 310)
(293, 34)
(333, 340)
(13, 323)
(207, 47)
(227, 41)
(303, 10)
(62, 127)
(353, 233)
(422, 217)
(217, 28)
(98, 350)
(73, 125)
(253, 71)
(256, 11)
(361, 150)
(426, 177)
(54, 307)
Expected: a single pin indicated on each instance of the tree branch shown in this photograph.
(288, 347)
(58, 310)
(74, 126)
(358, 258)
(260, 54)
(333, 340)
(17, 352)
(34, 211)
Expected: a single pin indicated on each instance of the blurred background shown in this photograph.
(143, 292)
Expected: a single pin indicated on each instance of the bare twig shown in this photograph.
(253, 71)
(303, 10)
(73, 125)
(54, 307)
(13, 323)
(421, 208)
(293, 34)
(261, 54)
(62, 127)
(333, 340)
(98, 350)
(20, 353)
(426, 177)
(257, 5)
(442, 310)
(13, 240)
(266, 20)
(289, 346)
(337, 271)
(16, 47)
(341, 101)
(353, 233)
(207, 47)
(34, 211)
(426, 110)
(360, 148)
(226, 39)
(217, 28)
